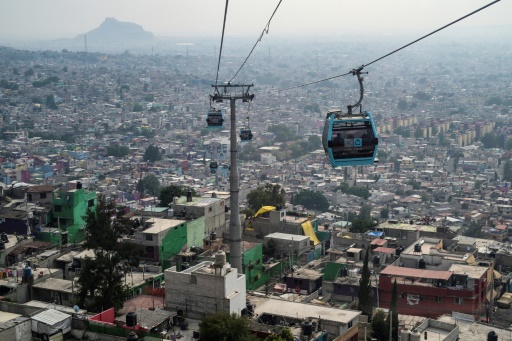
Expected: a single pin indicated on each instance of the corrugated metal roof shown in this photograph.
(51, 317)
(416, 273)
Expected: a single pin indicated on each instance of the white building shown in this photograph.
(268, 159)
(205, 288)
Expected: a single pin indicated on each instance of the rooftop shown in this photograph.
(160, 225)
(301, 310)
(469, 270)
(56, 284)
(416, 273)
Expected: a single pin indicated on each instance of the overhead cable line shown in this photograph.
(221, 41)
(265, 31)
(401, 48)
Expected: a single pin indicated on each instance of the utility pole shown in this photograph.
(228, 92)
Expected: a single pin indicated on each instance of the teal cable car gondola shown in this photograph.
(350, 139)
(246, 132)
(213, 167)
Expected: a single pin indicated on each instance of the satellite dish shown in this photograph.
(76, 308)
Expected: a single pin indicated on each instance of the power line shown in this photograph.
(401, 48)
(222, 40)
(265, 31)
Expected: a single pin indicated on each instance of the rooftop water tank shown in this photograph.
(405, 335)
(131, 319)
(220, 259)
(415, 336)
(307, 328)
(27, 272)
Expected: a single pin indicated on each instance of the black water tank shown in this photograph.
(422, 264)
(131, 319)
(399, 250)
(376, 260)
(189, 196)
(307, 328)
(195, 335)
(78, 185)
(250, 308)
(417, 248)
(184, 266)
(344, 272)
(132, 337)
(4, 237)
(213, 236)
(492, 336)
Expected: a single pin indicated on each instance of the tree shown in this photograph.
(117, 150)
(507, 171)
(365, 288)
(311, 200)
(29, 72)
(402, 104)
(168, 193)
(50, 102)
(358, 191)
(268, 195)
(284, 334)
(393, 313)
(137, 107)
(384, 213)
(149, 184)
(418, 132)
(490, 140)
(152, 154)
(379, 329)
(100, 281)
(226, 327)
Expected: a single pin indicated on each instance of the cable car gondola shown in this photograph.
(215, 118)
(213, 167)
(350, 139)
(246, 132)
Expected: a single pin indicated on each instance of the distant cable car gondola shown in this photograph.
(246, 132)
(213, 167)
(215, 118)
(350, 139)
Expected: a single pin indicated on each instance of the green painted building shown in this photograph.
(196, 232)
(252, 264)
(69, 208)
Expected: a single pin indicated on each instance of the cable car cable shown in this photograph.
(265, 31)
(221, 41)
(401, 48)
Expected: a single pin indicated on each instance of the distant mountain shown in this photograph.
(118, 31)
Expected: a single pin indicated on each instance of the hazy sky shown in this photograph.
(34, 19)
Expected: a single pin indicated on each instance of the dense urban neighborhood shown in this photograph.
(116, 201)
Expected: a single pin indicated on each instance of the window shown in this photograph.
(209, 209)
(42, 195)
(57, 208)
(459, 300)
(193, 279)
(65, 297)
(350, 324)
(148, 236)
(439, 299)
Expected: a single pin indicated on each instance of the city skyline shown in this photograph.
(57, 19)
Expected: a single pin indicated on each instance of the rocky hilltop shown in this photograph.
(114, 30)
